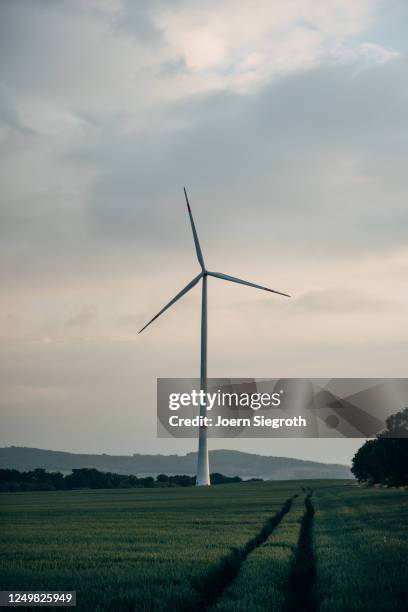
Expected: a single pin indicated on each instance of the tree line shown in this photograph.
(385, 459)
(90, 478)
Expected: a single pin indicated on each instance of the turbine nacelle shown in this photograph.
(204, 273)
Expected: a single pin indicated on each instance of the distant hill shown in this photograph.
(228, 462)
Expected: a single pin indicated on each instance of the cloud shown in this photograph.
(367, 54)
(310, 162)
(287, 124)
(82, 319)
(240, 47)
(129, 321)
(337, 300)
(82, 57)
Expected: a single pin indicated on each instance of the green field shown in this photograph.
(312, 545)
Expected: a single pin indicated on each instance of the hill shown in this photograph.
(228, 462)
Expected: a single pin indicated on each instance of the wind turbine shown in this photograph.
(203, 471)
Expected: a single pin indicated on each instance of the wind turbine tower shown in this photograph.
(203, 470)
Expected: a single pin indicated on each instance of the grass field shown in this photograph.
(286, 546)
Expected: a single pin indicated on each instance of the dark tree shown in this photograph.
(90, 478)
(385, 459)
(397, 425)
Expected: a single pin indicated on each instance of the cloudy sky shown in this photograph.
(287, 122)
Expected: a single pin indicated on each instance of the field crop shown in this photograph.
(247, 546)
(126, 548)
(265, 575)
(361, 549)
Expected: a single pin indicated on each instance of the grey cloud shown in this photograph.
(82, 319)
(11, 319)
(340, 300)
(9, 115)
(130, 321)
(312, 164)
(136, 20)
(319, 154)
(174, 67)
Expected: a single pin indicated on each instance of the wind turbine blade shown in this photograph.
(196, 241)
(180, 294)
(242, 282)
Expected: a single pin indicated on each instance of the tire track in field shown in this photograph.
(222, 574)
(302, 577)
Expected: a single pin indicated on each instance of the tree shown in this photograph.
(90, 478)
(397, 425)
(385, 459)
